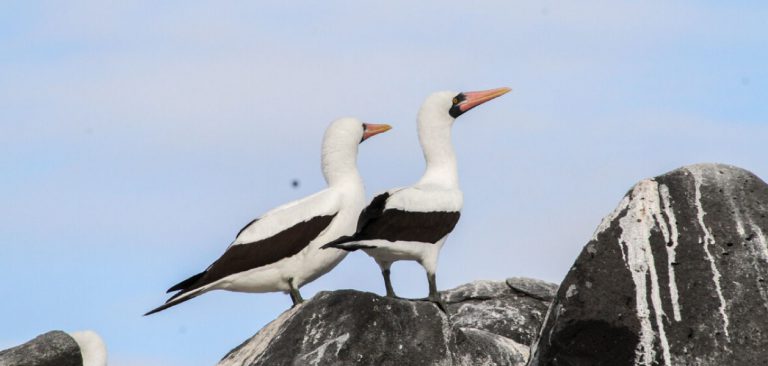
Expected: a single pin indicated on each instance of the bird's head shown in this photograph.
(350, 131)
(449, 105)
(339, 151)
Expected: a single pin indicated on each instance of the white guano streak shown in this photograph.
(710, 240)
(671, 248)
(739, 220)
(760, 239)
(320, 351)
(535, 345)
(607, 220)
(636, 227)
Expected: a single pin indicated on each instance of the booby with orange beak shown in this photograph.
(413, 223)
(280, 251)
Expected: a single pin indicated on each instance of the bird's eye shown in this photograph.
(455, 100)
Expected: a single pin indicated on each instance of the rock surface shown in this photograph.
(676, 275)
(488, 323)
(54, 348)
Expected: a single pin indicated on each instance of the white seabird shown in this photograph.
(279, 251)
(412, 223)
(92, 348)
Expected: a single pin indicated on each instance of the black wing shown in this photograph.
(189, 281)
(243, 257)
(398, 225)
(369, 213)
(373, 211)
(287, 243)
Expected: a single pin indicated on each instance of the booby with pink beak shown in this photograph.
(412, 223)
(280, 250)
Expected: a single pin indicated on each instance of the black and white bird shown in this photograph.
(280, 251)
(412, 223)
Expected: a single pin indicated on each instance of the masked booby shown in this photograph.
(412, 223)
(279, 251)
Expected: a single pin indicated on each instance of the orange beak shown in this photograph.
(372, 129)
(474, 99)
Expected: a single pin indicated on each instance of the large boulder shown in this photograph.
(676, 275)
(57, 348)
(54, 348)
(487, 323)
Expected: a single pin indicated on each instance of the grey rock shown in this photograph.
(676, 275)
(496, 307)
(537, 289)
(54, 348)
(488, 323)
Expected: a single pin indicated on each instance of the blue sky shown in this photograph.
(137, 138)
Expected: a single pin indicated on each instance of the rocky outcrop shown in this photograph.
(57, 348)
(54, 348)
(676, 275)
(487, 323)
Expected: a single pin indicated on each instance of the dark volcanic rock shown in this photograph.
(676, 275)
(501, 307)
(54, 348)
(534, 288)
(489, 323)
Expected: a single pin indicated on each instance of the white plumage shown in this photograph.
(92, 348)
(279, 251)
(413, 223)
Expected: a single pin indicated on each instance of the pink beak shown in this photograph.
(373, 129)
(476, 98)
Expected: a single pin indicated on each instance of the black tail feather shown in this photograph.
(171, 302)
(354, 247)
(186, 283)
(344, 243)
(335, 243)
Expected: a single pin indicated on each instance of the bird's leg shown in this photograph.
(434, 296)
(295, 294)
(388, 283)
(384, 265)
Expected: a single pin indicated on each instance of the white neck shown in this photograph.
(339, 165)
(435, 138)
